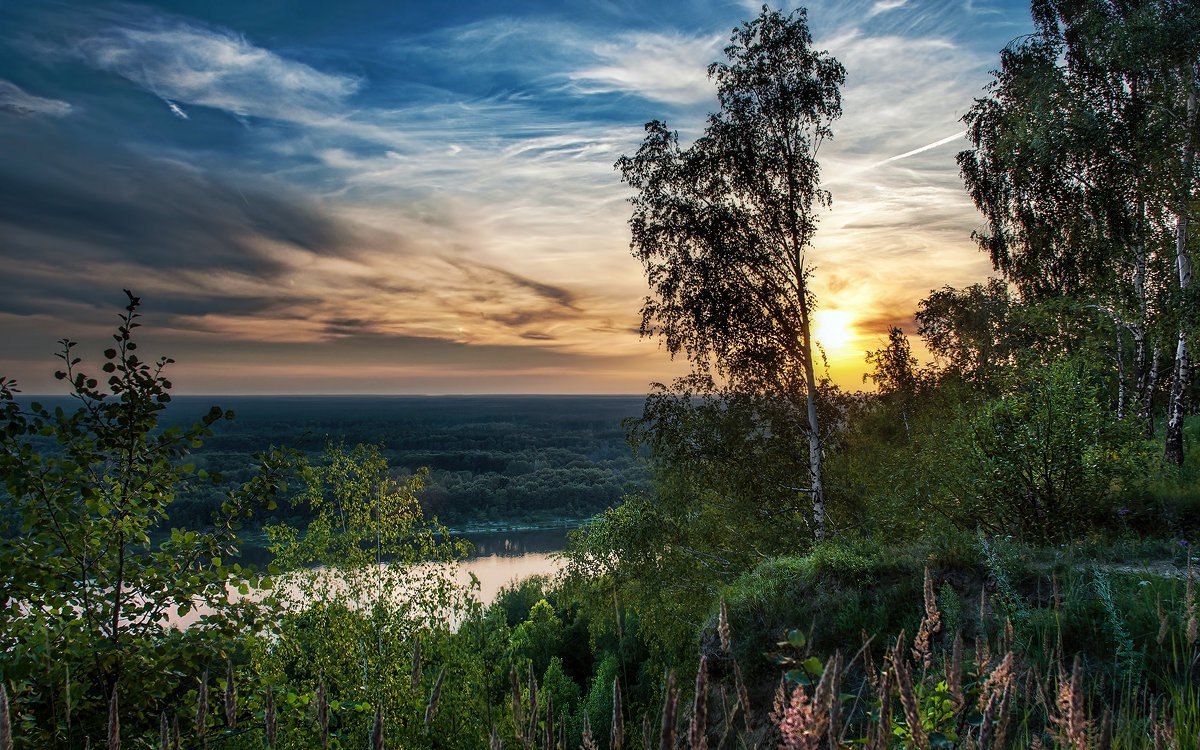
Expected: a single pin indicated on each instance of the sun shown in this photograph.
(833, 329)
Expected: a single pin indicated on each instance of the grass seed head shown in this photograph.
(667, 735)
(723, 630)
(698, 731)
(931, 624)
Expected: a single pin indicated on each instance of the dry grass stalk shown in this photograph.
(6, 738)
(175, 732)
(114, 721)
(548, 734)
(931, 623)
(270, 719)
(666, 738)
(994, 697)
(1009, 637)
(414, 677)
(723, 630)
(202, 711)
(323, 713)
(1071, 716)
(164, 732)
(531, 727)
(869, 662)
(780, 703)
(230, 697)
(494, 741)
(377, 729)
(518, 714)
(983, 656)
(434, 697)
(618, 719)
(589, 742)
(743, 695)
(1163, 732)
(884, 728)
(954, 673)
(698, 731)
(647, 731)
(1106, 732)
(1189, 606)
(1164, 621)
(908, 696)
(830, 702)
(1055, 594)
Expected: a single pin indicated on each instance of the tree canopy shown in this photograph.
(722, 227)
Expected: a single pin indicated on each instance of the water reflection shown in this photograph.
(516, 542)
(502, 557)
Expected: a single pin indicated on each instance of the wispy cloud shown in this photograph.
(15, 100)
(446, 189)
(662, 67)
(883, 6)
(184, 62)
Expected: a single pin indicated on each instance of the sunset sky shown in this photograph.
(415, 197)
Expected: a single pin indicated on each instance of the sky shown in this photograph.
(372, 196)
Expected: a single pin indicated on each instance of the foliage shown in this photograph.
(1048, 461)
(491, 459)
(1083, 162)
(722, 226)
(368, 579)
(86, 591)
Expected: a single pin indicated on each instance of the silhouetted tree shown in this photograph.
(722, 227)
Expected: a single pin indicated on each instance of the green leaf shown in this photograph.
(796, 638)
(813, 665)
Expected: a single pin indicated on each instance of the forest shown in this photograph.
(991, 549)
(491, 459)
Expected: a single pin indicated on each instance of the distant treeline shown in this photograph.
(490, 458)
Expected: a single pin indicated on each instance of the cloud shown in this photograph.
(883, 6)
(184, 62)
(15, 100)
(669, 68)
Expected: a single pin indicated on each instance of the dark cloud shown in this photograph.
(15, 100)
(71, 216)
(885, 319)
(555, 294)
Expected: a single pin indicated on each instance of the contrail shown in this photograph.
(916, 151)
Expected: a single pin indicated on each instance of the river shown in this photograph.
(501, 557)
(498, 558)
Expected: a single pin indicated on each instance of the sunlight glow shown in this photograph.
(833, 329)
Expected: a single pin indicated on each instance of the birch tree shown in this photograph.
(1083, 164)
(723, 226)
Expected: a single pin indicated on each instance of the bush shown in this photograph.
(1048, 460)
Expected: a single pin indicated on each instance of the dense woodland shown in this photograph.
(490, 459)
(992, 549)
